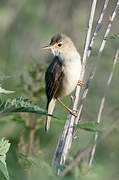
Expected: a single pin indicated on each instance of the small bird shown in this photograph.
(62, 75)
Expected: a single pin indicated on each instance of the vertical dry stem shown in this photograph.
(85, 152)
(65, 140)
(97, 26)
(101, 109)
(31, 141)
(92, 73)
(77, 159)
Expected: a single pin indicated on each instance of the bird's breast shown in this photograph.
(71, 76)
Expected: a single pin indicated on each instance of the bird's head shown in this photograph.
(60, 45)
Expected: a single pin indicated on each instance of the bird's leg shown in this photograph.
(80, 83)
(73, 112)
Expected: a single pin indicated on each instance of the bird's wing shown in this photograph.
(53, 78)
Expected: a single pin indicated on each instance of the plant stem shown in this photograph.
(93, 70)
(92, 153)
(78, 158)
(97, 26)
(65, 139)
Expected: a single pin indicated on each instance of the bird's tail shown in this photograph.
(50, 108)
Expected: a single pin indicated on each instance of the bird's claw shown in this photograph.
(80, 83)
(74, 113)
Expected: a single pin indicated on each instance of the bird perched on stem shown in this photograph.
(63, 74)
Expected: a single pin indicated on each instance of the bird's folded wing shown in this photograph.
(53, 78)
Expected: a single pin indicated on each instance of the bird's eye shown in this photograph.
(59, 44)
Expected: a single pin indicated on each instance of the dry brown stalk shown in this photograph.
(93, 70)
(97, 26)
(66, 137)
(65, 140)
(85, 152)
(78, 158)
(101, 108)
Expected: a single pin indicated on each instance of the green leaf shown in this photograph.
(20, 104)
(3, 91)
(4, 170)
(115, 36)
(90, 126)
(4, 147)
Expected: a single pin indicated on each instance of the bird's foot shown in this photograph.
(73, 112)
(80, 83)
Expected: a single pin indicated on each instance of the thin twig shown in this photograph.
(31, 124)
(30, 149)
(101, 109)
(31, 140)
(93, 70)
(65, 140)
(82, 154)
(97, 26)
(78, 158)
(98, 55)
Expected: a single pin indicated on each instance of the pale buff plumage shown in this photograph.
(63, 73)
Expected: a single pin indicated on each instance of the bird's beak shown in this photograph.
(47, 47)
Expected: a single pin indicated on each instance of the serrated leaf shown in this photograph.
(21, 104)
(90, 126)
(4, 170)
(4, 147)
(3, 91)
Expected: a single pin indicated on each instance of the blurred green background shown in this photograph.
(26, 26)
